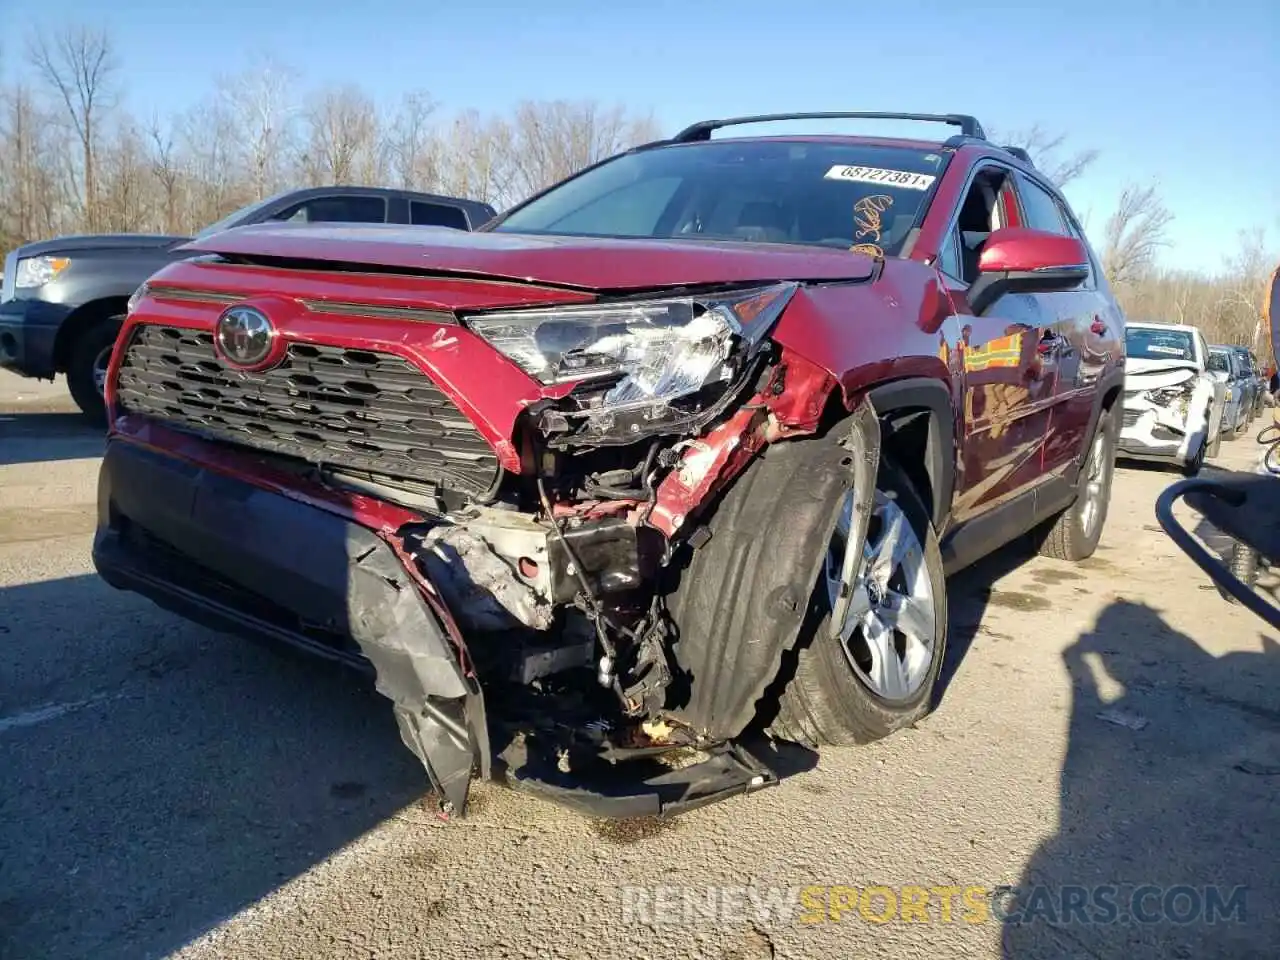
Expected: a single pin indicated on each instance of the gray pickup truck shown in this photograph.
(62, 300)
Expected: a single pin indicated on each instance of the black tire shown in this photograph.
(1068, 536)
(85, 354)
(1242, 423)
(1193, 466)
(825, 701)
(1243, 564)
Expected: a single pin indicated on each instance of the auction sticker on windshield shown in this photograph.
(893, 178)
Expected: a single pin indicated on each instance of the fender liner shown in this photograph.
(940, 450)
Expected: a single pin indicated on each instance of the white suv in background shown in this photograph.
(1168, 395)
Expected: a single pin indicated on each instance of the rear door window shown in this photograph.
(338, 210)
(424, 214)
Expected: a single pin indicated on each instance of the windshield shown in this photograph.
(232, 219)
(1146, 344)
(1219, 362)
(772, 191)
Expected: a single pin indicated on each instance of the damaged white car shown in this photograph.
(1168, 395)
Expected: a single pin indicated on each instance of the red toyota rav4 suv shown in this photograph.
(676, 452)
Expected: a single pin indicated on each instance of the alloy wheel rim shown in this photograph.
(889, 630)
(100, 364)
(1095, 486)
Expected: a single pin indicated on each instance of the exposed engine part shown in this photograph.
(479, 586)
(572, 648)
(649, 672)
(606, 553)
(587, 598)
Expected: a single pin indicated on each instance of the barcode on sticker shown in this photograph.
(890, 178)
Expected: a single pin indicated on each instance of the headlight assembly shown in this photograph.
(37, 271)
(1167, 396)
(136, 297)
(651, 351)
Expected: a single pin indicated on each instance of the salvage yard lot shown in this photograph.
(166, 789)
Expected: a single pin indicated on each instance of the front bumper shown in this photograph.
(1155, 432)
(28, 333)
(246, 560)
(243, 559)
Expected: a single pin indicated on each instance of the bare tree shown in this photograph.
(126, 203)
(343, 139)
(477, 155)
(27, 168)
(1134, 234)
(79, 66)
(208, 134)
(1049, 153)
(261, 100)
(413, 148)
(166, 170)
(550, 141)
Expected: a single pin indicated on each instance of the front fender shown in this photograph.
(868, 333)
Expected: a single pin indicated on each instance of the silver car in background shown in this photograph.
(1169, 409)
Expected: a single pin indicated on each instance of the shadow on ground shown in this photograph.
(1168, 800)
(158, 777)
(40, 436)
(970, 592)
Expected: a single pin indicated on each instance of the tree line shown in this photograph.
(74, 160)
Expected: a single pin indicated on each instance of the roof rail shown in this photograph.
(1020, 153)
(702, 130)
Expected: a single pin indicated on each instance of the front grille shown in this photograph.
(1130, 418)
(341, 408)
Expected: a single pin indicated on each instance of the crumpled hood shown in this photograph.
(115, 242)
(1141, 374)
(589, 263)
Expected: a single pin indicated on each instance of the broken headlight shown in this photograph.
(1168, 396)
(653, 351)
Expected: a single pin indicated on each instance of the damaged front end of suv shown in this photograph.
(485, 489)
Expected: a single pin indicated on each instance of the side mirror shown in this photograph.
(1021, 260)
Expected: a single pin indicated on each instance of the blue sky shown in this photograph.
(1185, 93)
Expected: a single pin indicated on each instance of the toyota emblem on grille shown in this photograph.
(244, 336)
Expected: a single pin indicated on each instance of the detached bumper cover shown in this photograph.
(245, 560)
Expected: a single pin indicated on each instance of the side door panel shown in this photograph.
(1005, 391)
(1007, 397)
(1077, 335)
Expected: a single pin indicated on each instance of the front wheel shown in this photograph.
(87, 367)
(875, 672)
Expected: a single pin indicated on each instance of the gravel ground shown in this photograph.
(169, 790)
